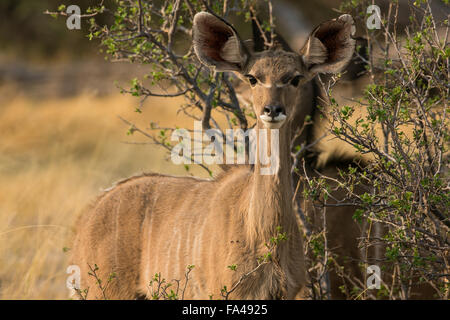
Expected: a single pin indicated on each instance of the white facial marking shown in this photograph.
(266, 85)
(278, 84)
(270, 85)
(280, 117)
(273, 123)
(265, 117)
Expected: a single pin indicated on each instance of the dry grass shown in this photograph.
(55, 156)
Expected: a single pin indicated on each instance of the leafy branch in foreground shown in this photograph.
(102, 284)
(263, 260)
(160, 289)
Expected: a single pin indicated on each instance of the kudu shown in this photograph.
(154, 223)
(326, 157)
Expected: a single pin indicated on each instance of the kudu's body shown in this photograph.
(139, 229)
(160, 224)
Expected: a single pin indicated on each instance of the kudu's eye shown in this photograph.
(253, 81)
(295, 81)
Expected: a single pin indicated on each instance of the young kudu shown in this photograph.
(160, 224)
(326, 156)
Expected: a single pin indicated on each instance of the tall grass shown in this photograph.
(55, 156)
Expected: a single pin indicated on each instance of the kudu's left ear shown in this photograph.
(330, 46)
(217, 43)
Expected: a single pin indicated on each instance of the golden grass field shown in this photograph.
(55, 157)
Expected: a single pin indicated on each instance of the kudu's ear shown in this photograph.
(217, 43)
(330, 46)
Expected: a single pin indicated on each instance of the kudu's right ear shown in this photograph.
(330, 46)
(217, 43)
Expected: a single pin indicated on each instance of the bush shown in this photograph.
(405, 131)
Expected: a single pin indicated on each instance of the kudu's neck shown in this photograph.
(270, 196)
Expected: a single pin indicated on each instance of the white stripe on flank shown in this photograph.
(116, 233)
(177, 264)
(147, 255)
(148, 237)
(198, 242)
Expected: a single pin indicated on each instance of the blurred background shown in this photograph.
(61, 140)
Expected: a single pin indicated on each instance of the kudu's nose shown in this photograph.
(273, 111)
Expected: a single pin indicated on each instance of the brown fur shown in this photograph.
(138, 229)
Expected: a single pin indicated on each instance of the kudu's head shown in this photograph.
(275, 76)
